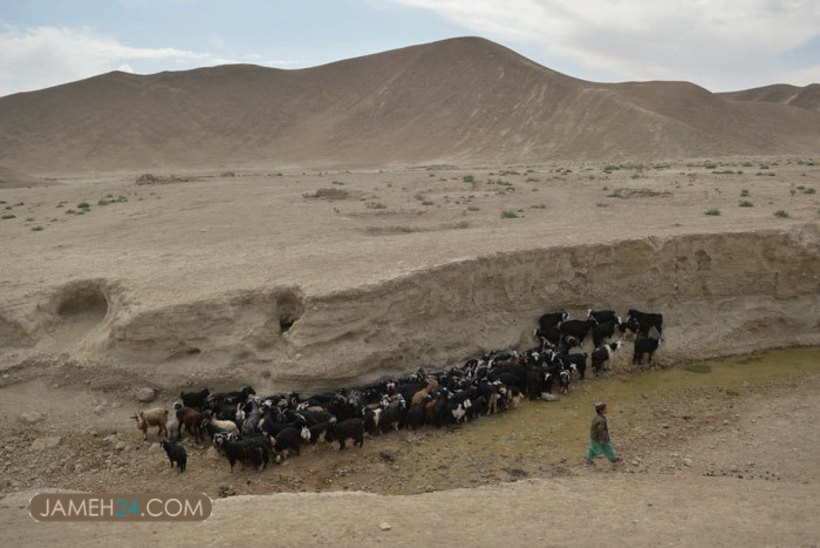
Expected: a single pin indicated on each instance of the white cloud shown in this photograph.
(47, 56)
(720, 44)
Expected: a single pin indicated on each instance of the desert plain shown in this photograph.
(313, 275)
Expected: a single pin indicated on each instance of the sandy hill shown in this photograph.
(463, 100)
(807, 97)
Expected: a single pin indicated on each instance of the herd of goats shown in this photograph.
(254, 430)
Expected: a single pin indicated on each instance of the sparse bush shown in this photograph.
(712, 212)
(809, 191)
(463, 224)
(744, 193)
(83, 205)
(507, 214)
(37, 228)
(427, 203)
(375, 205)
(468, 179)
(473, 208)
(617, 193)
(8, 216)
(781, 213)
(539, 206)
(746, 203)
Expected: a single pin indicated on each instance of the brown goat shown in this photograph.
(191, 419)
(157, 416)
(419, 396)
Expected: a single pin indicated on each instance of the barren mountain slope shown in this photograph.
(464, 100)
(807, 97)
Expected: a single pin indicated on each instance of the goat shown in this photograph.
(347, 429)
(642, 322)
(191, 419)
(602, 354)
(195, 400)
(157, 416)
(643, 346)
(176, 454)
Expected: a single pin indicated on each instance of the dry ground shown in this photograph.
(716, 459)
(516, 478)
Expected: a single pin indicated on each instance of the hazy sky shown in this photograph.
(721, 45)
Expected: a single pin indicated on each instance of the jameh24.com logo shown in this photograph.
(120, 507)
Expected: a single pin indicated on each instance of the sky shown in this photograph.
(722, 45)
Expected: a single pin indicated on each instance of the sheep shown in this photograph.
(157, 416)
(176, 453)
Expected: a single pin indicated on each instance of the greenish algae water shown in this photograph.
(539, 438)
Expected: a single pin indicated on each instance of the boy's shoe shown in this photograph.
(590, 462)
(617, 460)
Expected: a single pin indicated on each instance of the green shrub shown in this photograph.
(473, 208)
(712, 212)
(781, 213)
(468, 179)
(37, 228)
(617, 193)
(507, 214)
(744, 193)
(375, 205)
(746, 203)
(83, 205)
(539, 206)
(8, 216)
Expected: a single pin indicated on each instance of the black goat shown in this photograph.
(643, 346)
(642, 322)
(195, 400)
(176, 454)
(347, 429)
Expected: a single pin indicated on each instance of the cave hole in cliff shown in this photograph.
(289, 308)
(85, 303)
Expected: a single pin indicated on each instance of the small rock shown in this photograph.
(154, 448)
(734, 468)
(119, 446)
(687, 462)
(46, 443)
(146, 395)
(384, 526)
(110, 439)
(99, 410)
(31, 418)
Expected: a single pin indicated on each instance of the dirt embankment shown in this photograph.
(720, 294)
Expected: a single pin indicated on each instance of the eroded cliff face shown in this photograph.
(720, 294)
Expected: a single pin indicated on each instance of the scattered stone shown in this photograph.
(99, 410)
(384, 526)
(31, 418)
(154, 448)
(734, 469)
(119, 446)
(687, 462)
(146, 395)
(110, 439)
(548, 397)
(46, 443)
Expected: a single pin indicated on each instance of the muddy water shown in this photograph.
(646, 408)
